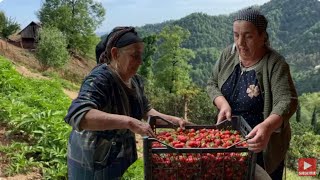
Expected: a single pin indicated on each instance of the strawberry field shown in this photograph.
(34, 109)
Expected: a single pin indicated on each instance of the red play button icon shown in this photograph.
(307, 166)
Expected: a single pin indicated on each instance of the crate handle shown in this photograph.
(223, 123)
(152, 121)
(169, 146)
(234, 144)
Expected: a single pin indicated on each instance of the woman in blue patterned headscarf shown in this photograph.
(108, 111)
(254, 81)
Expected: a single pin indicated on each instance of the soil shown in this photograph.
(71, 94)
(139, 144)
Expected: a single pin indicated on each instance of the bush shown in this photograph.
(200, 108)
(303, 146)
(135, 171)
(165, 102)
(52, 48)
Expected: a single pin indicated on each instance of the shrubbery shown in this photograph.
(200, 109)
(303, 146)
(52, 48)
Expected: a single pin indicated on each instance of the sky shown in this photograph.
(133, 12)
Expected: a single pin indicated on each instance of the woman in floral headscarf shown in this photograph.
(252, 80)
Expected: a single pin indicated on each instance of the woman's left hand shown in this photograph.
(181, 122)
(260, 136)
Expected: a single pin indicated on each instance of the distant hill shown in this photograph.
(291, 21)
(294, 30)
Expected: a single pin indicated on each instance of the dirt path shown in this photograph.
(71, 94)
(27, 73)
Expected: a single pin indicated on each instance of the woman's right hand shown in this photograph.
(224, 109)
(139, 127)
(224, 112)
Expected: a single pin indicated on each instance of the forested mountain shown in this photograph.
(294, 30)
(291, 21)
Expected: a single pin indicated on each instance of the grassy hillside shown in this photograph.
(34, 109)
(74, 71)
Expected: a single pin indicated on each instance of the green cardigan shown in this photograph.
(279, 93)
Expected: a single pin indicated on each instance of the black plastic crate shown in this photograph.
(198, 163)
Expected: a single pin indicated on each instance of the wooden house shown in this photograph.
(29, 35)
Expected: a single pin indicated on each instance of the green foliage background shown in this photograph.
(8, 26)
(76, 19)
(52, 48)
(293, 29)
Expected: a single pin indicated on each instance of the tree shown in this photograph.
(77, 19)
(314, 118)
(52, 48)
(149, 50)
(298, 113)
(9, 28)
(172, 70)
(2, 20)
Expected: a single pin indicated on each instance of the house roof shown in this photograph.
(32, 23)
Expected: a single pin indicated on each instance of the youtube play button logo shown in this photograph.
(307, 167)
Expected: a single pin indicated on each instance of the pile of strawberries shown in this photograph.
(218, 165)
(202, 138)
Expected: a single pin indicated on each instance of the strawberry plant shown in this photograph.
(35, 109)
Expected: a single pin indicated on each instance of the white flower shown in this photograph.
(253, 91)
